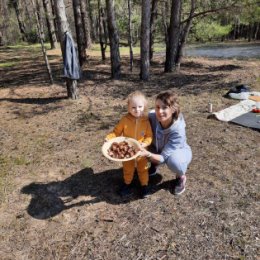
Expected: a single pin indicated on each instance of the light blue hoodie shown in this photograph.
(167, 140)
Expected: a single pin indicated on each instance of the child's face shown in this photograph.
(136, 107)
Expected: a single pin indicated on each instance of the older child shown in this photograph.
(135, 124)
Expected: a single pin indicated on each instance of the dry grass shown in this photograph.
(58, 192)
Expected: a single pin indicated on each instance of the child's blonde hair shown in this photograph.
(139, 95)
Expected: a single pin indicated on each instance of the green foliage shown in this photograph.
(32, 36)
(122, 19)
(216, 25)
(250, 13)
(210, 31)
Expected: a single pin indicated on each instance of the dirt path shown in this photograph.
(58, 193)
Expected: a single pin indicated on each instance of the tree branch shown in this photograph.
(204, 13)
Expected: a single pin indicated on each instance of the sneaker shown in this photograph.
(145, 191)
(152, 170)
(180, 185)
(125, 190)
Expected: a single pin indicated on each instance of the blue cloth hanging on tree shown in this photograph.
(70, 60)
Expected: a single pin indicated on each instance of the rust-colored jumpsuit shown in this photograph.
(139, 129)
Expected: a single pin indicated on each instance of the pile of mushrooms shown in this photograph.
(121, 150)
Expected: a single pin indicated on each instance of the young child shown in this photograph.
(135, 124)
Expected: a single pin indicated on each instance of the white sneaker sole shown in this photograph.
(179, 193)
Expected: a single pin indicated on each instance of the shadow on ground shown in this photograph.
(195, 77)
(36, 101)
(50, 199)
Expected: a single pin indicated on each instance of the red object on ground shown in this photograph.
(256, 110)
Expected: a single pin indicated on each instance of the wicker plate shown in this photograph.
(119, 139)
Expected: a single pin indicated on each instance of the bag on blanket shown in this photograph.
(239, 92)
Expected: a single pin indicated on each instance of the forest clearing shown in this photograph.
(58, 192)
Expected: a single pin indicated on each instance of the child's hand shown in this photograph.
(143, 145)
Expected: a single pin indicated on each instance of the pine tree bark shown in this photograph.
(63, 27)
(145, 40)
(16, 5)
(79, 32)
(173, 36)
(85, 23)
(50, 24)
(256, 31)
(1, 39)
(130, 40)
(183, 37)
(93, 31)
(152, 27)
(102, 31)
(41, 37)
(55, 22)
(164, 19)
(114, 41)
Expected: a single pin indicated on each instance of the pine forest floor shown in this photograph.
(58, 193)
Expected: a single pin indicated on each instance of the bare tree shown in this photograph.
(54, 18)
(165, 15)
(183, 36)
(178, 30)
(85, 23)
(41, 37)
(152, 27)
(17, 8)
(130, 40)
(114, 41)
(145, 40)
(63, 27)
(1, 39)
(173, 36)
(50, 24)
(102, 30)
(92, 20)
(79, 32)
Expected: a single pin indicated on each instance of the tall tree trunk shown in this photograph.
(183, 37)
(16, 5)
(114, 41)
(1, 39)
(79, 32)
(93, 31)
(41, 37)
(256, 31)
(50, 24)
(28, 17)
(102, 35)
(63, 27)
(152, 27)
(173, 36)
(85, 23)
(145, 39)
(164, 18)
(130, 40)
(55, 22)
(249, 32)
